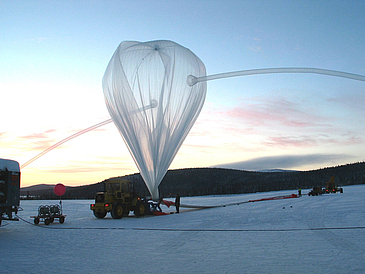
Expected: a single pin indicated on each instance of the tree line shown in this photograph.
(218, 181)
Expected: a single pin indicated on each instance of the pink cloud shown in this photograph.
(41, 135)
(42, 145)
(35, 136)
(105, 164)
(85, 169)
(312, 140)
(278, 111)
(351, 139)
(39, 141)
(291, 141)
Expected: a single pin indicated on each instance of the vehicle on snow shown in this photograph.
(118, 198)
(9, 189)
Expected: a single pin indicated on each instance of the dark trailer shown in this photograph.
(9, 189)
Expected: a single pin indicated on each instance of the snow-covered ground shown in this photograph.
(324, 234)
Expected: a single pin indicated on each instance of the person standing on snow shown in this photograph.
(177, 202)
(159, 203)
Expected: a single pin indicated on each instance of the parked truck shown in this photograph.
(118, 198)
(9, 189)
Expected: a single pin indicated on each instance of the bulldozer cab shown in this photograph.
(113, 187)
(119, 188)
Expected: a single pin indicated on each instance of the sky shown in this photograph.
(53, 55)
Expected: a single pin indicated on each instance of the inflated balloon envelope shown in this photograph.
(152, 104)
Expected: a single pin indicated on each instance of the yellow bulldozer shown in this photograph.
(330, 188)
(119, 199)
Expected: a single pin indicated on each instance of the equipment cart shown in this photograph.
(48, 214)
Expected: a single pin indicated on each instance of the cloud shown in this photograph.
(350, 99)
(274, 111)
(350, 138)
(41, 145)
(100, 164)
(39, 141)
(291, 141)
(85, 169)
(304, 141)
(257, 44)
(35, 136)
(285, 161)
(255, 48)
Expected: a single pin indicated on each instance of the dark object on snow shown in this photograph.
(316, 191)
(9, 189)
(177, 202)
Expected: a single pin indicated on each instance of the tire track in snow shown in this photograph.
(319, 209)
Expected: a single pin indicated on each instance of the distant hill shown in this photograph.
(45, 192)
(277, 170)
(40, 187)
(216, 181)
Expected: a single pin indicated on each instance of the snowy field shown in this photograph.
(324, 234)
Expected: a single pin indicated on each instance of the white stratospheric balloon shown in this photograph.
(152, 104)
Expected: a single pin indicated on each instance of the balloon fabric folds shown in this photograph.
(151, 103)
